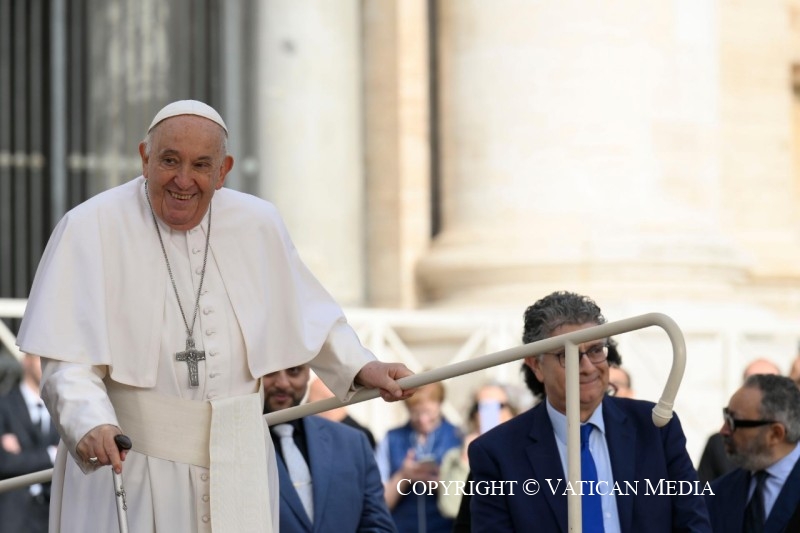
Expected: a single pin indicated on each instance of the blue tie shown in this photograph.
(591, 506)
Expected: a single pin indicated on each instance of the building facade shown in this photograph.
(441, 164)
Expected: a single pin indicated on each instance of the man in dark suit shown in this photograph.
(344, 489)
(761, 431)
(624, 445)
(715, 462)
(28, 443)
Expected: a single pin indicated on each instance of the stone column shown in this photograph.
(760, 159)
(310, 134)
(579, 151)
(397, 143)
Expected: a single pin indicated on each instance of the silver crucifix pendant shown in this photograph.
(191, 355)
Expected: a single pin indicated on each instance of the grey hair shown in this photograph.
(547, 315)
(551, 312)
(780, 402)
(148, 140)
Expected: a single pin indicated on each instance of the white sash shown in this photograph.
(228, 436)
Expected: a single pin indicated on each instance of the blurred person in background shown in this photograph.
(491, 406)
(28, 443)
(414, 452)
(620, 379)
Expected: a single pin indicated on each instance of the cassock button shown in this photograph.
(198, 270)
(213, 375)
(205, 518)
(207, 311)
(210, 332)
(213, 353)
(205, 498)
(204, 477)
(196, 250)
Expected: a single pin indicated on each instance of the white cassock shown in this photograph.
(103, 314)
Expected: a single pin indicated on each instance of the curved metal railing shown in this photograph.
(662, 412)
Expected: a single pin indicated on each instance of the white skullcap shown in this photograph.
(188, 107)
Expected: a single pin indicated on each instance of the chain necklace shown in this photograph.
(191, 355)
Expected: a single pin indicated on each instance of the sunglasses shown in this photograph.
(734, 423)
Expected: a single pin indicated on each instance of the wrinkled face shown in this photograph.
(747, 447)
(184, 166)
(285, 388)
(593, 377)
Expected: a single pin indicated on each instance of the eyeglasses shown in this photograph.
(734, 423)
(597, 353)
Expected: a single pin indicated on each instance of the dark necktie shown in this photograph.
(591, 505)
(754, 515)
(41, 422)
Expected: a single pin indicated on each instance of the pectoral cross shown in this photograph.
(191, 355)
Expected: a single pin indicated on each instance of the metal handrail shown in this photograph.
(11, 308)
(662, 412)
(13, 483)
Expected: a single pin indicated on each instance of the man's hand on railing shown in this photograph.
(384, 376)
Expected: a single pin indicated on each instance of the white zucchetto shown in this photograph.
(188, 107)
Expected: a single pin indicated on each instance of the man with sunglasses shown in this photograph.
(715, 462)
(761, 429)
(623, 445)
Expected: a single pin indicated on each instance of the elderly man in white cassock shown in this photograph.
(156, 307)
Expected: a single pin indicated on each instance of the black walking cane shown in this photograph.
(123, 443)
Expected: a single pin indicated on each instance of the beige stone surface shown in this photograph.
(645, 153)
(311, 134)
(397, 141)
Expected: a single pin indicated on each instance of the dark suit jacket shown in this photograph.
(729, 501)
(19, 512)
(348, 492)
(525, 448)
